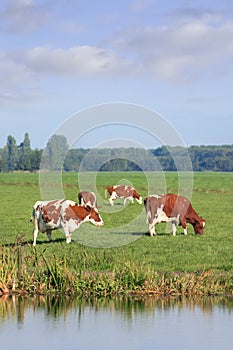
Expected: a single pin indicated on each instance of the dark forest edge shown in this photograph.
(57, 155)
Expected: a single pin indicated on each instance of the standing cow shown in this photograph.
(126, 192)
(172, 208)
(86, 198)
(65, 214)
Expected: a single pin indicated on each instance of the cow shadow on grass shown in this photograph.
(142, 234)
(44, 241)
(30, 242)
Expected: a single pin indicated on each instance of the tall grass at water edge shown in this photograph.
(35, 273)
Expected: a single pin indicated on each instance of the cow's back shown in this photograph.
(174, 205)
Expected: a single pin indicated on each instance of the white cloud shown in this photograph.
(21, 16)
(26, 69)
(179, 51)
(12, 76)
(75, 61)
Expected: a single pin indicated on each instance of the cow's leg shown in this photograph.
(49, 235)
(125, 199)
(111, 201)
(183, 224)
(35, 232)
(152, 229)
(68, 234)
(68, 238)
(174, 227)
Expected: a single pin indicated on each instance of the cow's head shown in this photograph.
(94, 216)
(139, 200)
(199, 227)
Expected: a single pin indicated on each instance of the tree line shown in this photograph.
(57, 155)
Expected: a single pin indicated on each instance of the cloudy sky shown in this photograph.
(172, 56)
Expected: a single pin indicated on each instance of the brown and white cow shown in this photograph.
(172, 208)
(120, 191)
(86, 198)
(62, 213)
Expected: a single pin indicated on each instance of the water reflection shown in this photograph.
(121, 323)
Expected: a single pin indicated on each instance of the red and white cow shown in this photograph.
(65, 214)
(172, 208)
(126, 192)
(86, 198)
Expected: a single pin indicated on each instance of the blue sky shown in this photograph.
(60, 57)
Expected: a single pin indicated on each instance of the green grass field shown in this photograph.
(122, 244)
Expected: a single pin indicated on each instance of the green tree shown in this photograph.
(55, 152)
(12, 153)
(36, 155)
(25, 153)
(3, 162)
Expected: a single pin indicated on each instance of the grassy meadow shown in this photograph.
(120, 257)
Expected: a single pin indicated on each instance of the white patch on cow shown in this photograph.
(100, 223)
(113, 197)
(139, 200)
(161, 216)
(203, 223)
(157, 196)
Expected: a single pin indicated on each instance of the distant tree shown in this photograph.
(25, 152)
(55, 152)
(36, 155)
(3, 162)
(12, 153)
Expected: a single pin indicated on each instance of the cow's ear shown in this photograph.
(88, 208)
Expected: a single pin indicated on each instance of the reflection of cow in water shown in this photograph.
(86, 198)
(126, 192)
(66, 214)
(172, 208)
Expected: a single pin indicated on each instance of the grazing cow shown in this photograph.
(172, 208)
(86, 198)
(126, 192)
(65, 214)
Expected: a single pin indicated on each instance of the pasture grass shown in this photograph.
(119, 258)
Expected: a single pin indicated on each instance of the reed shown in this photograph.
(34, 273)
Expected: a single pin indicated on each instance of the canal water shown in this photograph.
(120, 324)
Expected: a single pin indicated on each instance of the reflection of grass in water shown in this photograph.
(62, 306)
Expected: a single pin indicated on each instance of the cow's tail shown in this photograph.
(148, 210)
(33, 215)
